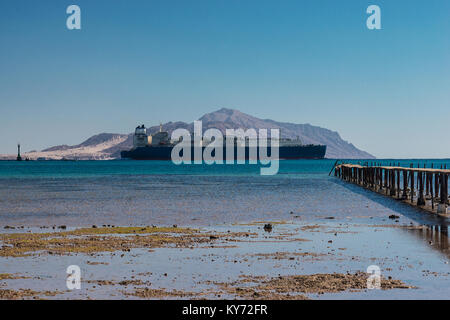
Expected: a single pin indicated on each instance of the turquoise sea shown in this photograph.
(159, 192)
(78, 169)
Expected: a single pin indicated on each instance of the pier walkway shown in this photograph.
(426, 188)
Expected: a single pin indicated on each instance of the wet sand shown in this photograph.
(291, 260)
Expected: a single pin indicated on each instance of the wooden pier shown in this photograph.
(426, 188)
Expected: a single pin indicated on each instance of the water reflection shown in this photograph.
(436, 236)
(412, 212)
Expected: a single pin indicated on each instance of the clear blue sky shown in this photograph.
(387, 91)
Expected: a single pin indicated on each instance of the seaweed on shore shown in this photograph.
(107, 239)
(296, 286)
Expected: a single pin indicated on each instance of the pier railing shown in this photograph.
(424, 187)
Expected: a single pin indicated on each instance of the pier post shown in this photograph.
(431, 184)
(405, 185)
(442, 207)
(364, 172)
(411, 174)
(361, 176)
(436, 185)
(386, 179)
(432, 191)
(357, 173)
(420, 199)
(392, 184)
(374, 182)
(446, 188)
(442, 192)
(378, 177)
(378, 183)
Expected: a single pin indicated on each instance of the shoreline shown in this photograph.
(246, 261)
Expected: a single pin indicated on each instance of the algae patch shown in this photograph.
(8, 294)
(149, 293)
(9, 276)
(296, 286)
(93, 240)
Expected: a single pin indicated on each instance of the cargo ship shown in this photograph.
(158, 146)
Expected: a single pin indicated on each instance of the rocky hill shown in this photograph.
(109, 145)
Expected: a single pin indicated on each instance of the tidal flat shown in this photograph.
(292, 260)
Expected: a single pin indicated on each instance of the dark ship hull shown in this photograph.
(163, 152)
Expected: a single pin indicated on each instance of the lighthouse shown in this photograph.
(19, 158)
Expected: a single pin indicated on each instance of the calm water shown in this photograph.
(79, 169)
(77, 194)
(161, 193)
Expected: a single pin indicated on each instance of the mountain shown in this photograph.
(109, 145)
(98, 147)
(233, 119)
